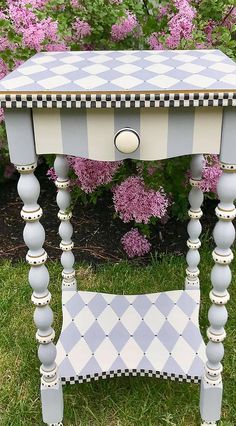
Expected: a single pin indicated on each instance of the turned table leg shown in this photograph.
(194, 225)
(65, 229)
(34, 236)
(224, 235)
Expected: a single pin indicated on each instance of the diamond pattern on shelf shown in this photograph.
(128, 59)
(127, 68)
(90, 82)
(191, 68)
(225, 68)
(123, 70)
(154, 333)
(230, 79)
(63, 69)
(95, 69)
(163, 81)
(213, 57)
(159, 68)
(53, 82)
(32, 70)
(199, 80)
(127, 82)
(43, 59)
(71, 59)
(16, 82)
(185, 58)
(156, 58)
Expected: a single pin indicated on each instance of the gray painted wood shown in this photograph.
(20, 136)
(180, 132)
(34, 235)
(224, 236)
(228, 141)
(65, 229)
(74, 131)
(194, 225)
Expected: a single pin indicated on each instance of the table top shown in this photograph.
(99, 75)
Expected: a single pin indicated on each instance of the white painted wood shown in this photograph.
(154, 133)
(194, 225)
(224, 236)
(47, 130)
(65, 229)
(207, 129)
(100, 128)
(126, 141)
(34, 236)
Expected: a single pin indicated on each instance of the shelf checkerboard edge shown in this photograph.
(133, 100)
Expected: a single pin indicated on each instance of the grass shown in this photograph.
(126, 401)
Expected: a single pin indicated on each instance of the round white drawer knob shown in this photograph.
(127, 140)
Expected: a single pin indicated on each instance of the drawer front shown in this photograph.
(161, 132)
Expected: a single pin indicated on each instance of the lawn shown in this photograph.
(126, 401)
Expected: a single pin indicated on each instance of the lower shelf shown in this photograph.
(107, 335)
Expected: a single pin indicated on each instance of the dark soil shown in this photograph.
(96, 233)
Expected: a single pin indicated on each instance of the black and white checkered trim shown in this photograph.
(126, 372)
(117, 100)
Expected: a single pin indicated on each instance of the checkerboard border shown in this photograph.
(119, 373)
(162, 100)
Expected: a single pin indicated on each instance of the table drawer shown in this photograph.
(162, 132)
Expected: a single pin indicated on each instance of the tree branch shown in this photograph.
(227, 15)
(146, 6)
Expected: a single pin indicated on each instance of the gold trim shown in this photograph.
(222, 210)
(119, 93)
(31, 211)
(35, 257)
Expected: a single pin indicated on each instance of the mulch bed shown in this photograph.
(96, 233)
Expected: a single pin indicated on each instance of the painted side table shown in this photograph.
(112, 105)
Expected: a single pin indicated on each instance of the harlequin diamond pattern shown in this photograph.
(117, 71)
(107, 334)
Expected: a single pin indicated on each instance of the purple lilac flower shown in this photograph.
(122, 29)
(181, 24)
(51, 174)
(1, 115)
(76, 4)
(134, 201)
(135, 244)
(92, 174)
(56, 47)
(34, 32)
(117, 2)
(154, 43)
(211, 173)
(82, 28)
(3, 68)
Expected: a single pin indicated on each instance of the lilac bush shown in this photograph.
(30, 26)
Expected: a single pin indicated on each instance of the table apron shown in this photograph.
(164, 133)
